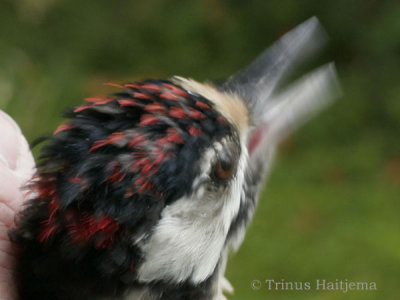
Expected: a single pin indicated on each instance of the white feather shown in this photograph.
(187, 242)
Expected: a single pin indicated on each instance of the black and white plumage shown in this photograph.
(143, 193)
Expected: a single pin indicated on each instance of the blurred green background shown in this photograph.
(331, 207)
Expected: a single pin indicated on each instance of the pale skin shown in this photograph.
(16, 168)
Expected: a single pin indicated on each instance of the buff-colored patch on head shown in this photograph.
(231, 106)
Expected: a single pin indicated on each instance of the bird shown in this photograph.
(143, 193)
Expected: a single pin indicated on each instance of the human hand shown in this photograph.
(16, 167)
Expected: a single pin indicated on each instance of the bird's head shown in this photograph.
(162, 177)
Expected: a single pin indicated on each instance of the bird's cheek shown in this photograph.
(185, 244)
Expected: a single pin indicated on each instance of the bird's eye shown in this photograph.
(224, 167)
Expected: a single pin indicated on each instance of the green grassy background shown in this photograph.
(331, 207)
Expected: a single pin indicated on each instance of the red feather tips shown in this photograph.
(170, 96)
(81, 108)
(142, 95)
(99, 100)
(98, 145)
(195, 131)
(63, 127)
(147, 168)
(139, 181)
(115, 138)
(148, 119)
(177, 112)
(138, 142)
(202, 105)
(84, 227)
(103, 101)
(93, 101)
(140, 163)
(180, 113)
(195, 114)
(49, 227)
(128, 102)
(172, 136)
(151, 87)
(147, 186)
(160, 155)
(116, 174)
(176, 90)
(155, 108)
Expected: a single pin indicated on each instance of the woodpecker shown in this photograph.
(143, 193)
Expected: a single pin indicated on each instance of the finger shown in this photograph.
(14, 149)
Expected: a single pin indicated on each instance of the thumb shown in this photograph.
(16, 162)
